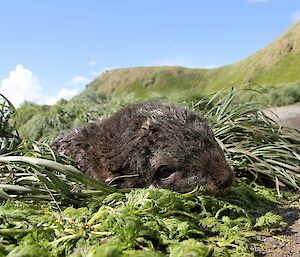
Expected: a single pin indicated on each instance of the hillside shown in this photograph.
(278, 63)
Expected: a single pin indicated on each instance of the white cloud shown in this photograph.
(62, 94)
(295, 15)
(22, 85)
(78, 80)
(258, 1)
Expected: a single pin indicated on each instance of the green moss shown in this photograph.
(144, 222)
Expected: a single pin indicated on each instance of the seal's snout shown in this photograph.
(226, 181)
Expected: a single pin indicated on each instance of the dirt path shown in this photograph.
(286, 116)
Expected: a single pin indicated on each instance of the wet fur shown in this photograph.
(128, 148)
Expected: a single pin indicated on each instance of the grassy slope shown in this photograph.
(275, 64)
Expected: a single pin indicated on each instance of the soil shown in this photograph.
(284, 243)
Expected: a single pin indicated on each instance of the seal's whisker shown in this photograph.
(121, 177)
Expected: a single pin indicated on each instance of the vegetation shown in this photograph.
(242, 129)
(273, 71)
(255, 145)
(274, 65)
(144, 222)
(9, 136)
(279, 95)
(49, 208)
(45, 122)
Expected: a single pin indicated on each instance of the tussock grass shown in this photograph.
(256, 146)
(35, 170)
(44, 123)
(49, 208)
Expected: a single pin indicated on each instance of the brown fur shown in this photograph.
(154, 144)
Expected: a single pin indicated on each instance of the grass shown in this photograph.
(279, 95)
(35, 170)
(178, 84)
(275, 65)
(46, 122)
(256, 146)
(48, 208)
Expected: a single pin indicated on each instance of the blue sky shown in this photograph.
(51, 49)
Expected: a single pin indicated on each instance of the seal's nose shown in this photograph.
(226, 181)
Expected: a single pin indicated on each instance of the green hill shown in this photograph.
(278, 63)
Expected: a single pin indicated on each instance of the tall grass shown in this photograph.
(46, 122)
(255, 145)
(33, 170)
(278, 95)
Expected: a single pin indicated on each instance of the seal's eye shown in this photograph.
(164, 172)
